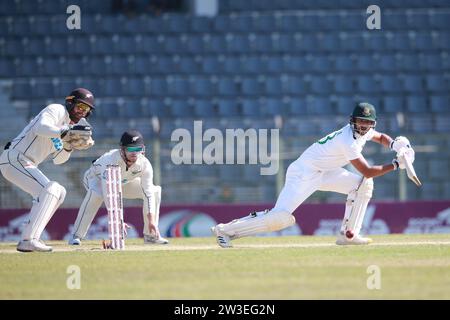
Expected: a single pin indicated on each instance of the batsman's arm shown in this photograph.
(369, 171)
(383, 139)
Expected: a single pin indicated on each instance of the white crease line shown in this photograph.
(239, 246)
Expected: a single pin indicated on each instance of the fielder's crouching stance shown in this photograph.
(137, 183)
(320, 168)
(55, 131)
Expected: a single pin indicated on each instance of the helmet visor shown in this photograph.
(135, 149)
(83, 107)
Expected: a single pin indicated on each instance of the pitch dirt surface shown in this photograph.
(410, 267)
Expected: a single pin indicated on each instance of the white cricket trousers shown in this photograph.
(302, 181)
(22, 172)
(47, 195)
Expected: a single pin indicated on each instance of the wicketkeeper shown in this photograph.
(137, 183)
(320, 168)
(56, 131)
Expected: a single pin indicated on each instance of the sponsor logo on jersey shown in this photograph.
(57, 143)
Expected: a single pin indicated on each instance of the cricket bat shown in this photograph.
(411, 172)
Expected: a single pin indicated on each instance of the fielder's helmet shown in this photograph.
(131, 138)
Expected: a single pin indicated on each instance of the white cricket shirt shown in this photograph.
(335, 150)
(41, 137)
(142, 168)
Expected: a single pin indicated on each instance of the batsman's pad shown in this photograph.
(355, 208)
(50, 198)
(257, 222)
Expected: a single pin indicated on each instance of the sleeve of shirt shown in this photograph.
(351, 152)
(370, 134)
(47, 123)
(101, 164)
(61, 156)
(147, 178)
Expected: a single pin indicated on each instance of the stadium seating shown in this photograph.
(308, 61)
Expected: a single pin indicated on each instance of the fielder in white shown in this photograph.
(54, 132)
(320, 168)
(137, 183)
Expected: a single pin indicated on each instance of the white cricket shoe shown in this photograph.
(75, 241)
(148, 239)
(221, 238)
(357, 240)
(33, 245)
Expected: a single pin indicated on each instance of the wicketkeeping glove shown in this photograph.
(78, 136)
(82, 143)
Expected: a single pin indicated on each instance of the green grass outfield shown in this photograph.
(412, 267)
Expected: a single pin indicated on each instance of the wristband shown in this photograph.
(396, 164)
(64, 131)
